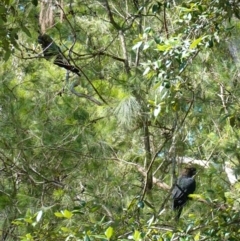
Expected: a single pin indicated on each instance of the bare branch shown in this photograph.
(124, 49)
(81, 95)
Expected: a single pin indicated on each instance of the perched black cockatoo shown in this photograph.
(185, 185)
(51, 50)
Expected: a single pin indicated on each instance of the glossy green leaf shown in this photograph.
(163, 48)
(136, 235)
(67, 214)
(195, 43)
(197, 236)
(146, 70)
(196, 196)
(109, 232)
(58, 214)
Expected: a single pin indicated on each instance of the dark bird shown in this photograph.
(185, 185)
(52, 50)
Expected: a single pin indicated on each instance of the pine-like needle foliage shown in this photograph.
(128, 112)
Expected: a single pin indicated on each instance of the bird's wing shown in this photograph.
(178, 190)
(184, 186)
(189, 185)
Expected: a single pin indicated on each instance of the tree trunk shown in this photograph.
(148, 155)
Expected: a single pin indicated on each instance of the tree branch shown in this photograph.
(110, 15)
(81, 95)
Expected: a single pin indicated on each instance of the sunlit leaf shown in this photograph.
(195, 196)
(189, 227)
(147, 30)
(197, 236)
(67, 214)
(195, 43)
(28, 220)
(18, 222)
(146, 70)
(109, 232)
(163, 47)
(58, 214)
(136, 235)
(137, 46)
(39, 215)
(65, 229)
(151, 220)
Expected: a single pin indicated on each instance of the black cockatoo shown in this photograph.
(51, 50)
(185, 185)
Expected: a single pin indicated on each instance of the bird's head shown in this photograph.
(44, 39)
(189, 171)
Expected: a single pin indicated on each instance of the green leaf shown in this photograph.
(64, 214)
(195, 196)
(28, 220)
(163, 48)
(197, 236)
(8, 2)
(58, 214)
(86, 238)
(146, 70)
(101, 237)
(148, 203)
(67, 214)
(109, 232)
(66, 230)
(195, 43)
(136, 235)
(18, 222)
(189, 227)
(26, 31)
(132, 204)
(150, 221)
(27, 237)
(7, 55)
(147, 30)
